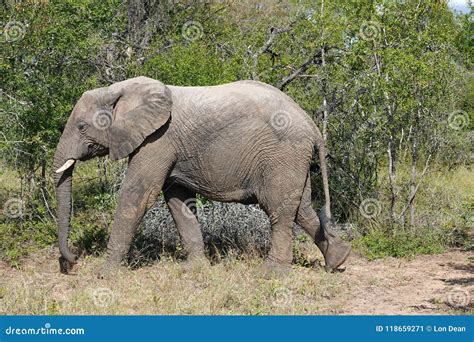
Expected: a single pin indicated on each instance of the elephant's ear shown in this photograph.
(142, 106)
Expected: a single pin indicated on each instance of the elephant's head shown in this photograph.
(114, 120)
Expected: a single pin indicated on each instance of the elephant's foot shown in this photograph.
(108, 270)
(196, 263)
(274, 269)
(65, 266)
(335, 251)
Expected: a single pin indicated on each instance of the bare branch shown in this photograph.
(315, 59)
(271, 35)
(47, 205)
(412, 197)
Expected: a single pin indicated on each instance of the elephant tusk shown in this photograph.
(66, 165)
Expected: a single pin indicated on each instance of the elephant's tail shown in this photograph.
(325, 212)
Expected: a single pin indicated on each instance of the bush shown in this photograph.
(18, 241)
(378, 244)
(226, 227)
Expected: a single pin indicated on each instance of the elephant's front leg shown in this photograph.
(139, 192)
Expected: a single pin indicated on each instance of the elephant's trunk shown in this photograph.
(63, 182)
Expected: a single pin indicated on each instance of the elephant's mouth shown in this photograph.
(95, 150)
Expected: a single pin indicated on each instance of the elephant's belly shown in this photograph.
(214, 185)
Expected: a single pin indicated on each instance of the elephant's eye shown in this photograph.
(81, 126)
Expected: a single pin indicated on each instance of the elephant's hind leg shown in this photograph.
(281, 205)
(334, 249)
(182, 205)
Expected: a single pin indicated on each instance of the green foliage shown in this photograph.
(444, 210)
(89, 235)
(299, 256)
(191, 65)
(12, 244)
(378, 244)
(49, 68)
(18, 241)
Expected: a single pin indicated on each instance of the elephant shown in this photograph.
(245, 142)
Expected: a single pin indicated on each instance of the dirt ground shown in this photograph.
(427, 284)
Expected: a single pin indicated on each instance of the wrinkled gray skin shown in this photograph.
(241, 142)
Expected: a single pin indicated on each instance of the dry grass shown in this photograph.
(232, 286)
(236, 286)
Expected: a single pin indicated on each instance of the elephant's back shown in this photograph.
(252, 103)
